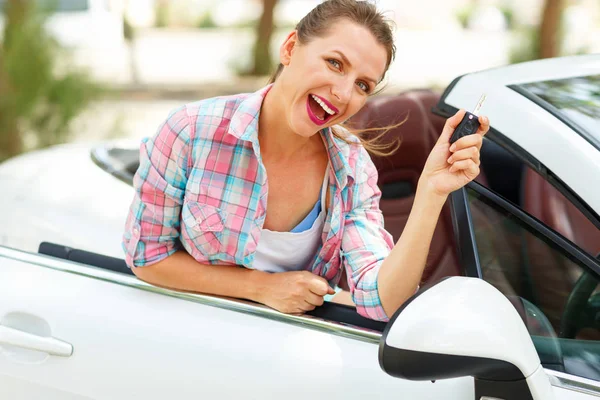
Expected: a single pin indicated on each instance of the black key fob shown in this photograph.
(468, 126)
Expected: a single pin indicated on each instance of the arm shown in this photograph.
(381, 282)
(448, 168)
(151, 238)
(152, 229)
(401, 272)
(180, 271)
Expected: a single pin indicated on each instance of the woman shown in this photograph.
(264, 197)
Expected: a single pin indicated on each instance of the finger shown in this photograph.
(320, 287)
(471, 153)
(473, 170)
(306, 306)
(463, 165)
(314, 300)
(450, 126)
(466, 142)
(484, 125)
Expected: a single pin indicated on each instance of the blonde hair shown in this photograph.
(317, 23)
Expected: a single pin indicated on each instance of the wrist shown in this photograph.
(258, 283)
(427, 194)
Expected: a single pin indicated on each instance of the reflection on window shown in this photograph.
(557, 298)
(576, 98)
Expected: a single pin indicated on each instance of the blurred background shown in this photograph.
(89, 70)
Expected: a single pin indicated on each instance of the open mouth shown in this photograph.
(318, 111)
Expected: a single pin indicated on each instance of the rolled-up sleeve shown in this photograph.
(365, 242)
(153, 223)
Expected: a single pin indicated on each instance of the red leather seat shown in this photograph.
(399, 173)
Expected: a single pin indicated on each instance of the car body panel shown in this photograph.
(151, 342)
(536, 131)
(58, 194)
(131, 343)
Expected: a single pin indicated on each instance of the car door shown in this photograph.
(553, 284)
(70, 331)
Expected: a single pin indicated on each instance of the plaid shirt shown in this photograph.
(201, 184)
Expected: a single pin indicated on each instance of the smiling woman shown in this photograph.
(266, 197)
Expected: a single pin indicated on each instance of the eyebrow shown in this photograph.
(345, 59)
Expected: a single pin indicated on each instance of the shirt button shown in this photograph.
(136, 230)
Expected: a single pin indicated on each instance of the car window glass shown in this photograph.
(127, 159)
(557, 297)
(577, 99)
(515, 181)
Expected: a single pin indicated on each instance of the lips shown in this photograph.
(316, 112)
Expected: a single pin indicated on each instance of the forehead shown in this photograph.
(358, 44)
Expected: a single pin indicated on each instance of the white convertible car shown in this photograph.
(509, 307)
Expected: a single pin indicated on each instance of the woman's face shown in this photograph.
(328, 79)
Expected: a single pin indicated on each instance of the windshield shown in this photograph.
(575, 100)
(120, 161)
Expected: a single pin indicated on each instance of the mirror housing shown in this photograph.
(464, 327)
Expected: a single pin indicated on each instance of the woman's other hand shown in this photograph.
(293, 292)
(450, 167)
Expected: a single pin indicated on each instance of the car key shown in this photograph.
(469, 123)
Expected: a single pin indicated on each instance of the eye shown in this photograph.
(363, 86)
(335, 63)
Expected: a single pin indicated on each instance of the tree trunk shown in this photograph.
(262, 54)
(550, 28)
(11, 142)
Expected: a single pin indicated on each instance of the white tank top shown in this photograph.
(291, 251)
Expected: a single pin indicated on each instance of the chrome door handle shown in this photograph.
(50, 345)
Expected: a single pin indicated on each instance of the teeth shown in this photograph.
(323, 105)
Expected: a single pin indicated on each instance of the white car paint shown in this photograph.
(572, 158)
(473, 331)
(237, 355)
(120, 327)
(62, 196)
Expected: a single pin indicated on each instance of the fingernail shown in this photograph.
(450, 160)
(453, 147)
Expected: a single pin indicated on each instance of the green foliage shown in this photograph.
(39, 94)
(206, 21)
(463, 15)
(162, 14)
(509, 16)
(526, 45)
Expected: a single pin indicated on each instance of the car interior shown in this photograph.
(398, 177)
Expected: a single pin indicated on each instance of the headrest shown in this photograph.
(418, 133)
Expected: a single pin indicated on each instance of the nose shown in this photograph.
(342, 90)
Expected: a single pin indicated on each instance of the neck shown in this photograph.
(274, 132)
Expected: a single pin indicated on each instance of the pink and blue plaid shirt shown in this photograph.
(201, 185)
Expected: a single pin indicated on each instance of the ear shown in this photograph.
(287, 48)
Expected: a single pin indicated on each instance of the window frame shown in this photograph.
(315, 322)
(466, 234)
(446, 110)
(518, 88)
(469, 256)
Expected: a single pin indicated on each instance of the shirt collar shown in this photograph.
(244, 126)
(339, 153)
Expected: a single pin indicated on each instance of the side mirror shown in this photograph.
(464, 327)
